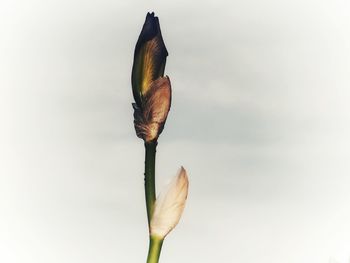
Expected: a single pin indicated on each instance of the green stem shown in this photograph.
(150, 187)
(155, 246)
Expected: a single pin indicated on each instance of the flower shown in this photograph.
(152, 91)
(170, 205)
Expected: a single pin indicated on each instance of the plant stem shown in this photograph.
(150, 188)
(155, 246)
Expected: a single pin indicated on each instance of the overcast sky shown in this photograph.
(260, 119)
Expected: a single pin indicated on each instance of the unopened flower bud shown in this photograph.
(152, 91)
(169, 206)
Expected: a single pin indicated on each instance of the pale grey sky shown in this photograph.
(260, 119)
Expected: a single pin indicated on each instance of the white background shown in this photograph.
(260, 119)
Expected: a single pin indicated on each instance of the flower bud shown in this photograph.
(149, 58)
(170, 205)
